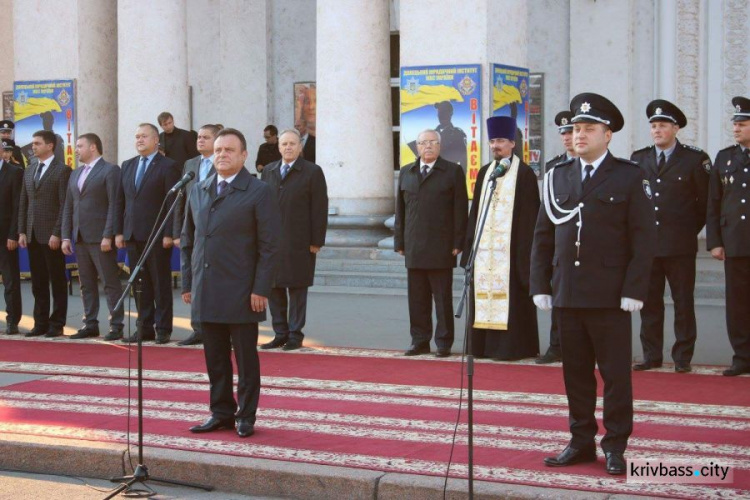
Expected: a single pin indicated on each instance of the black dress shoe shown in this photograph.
(572, 456)
(276, 342)
(147, 335)
(113, 335)
(682, 367)
(12, 330)
(193, 339)
(443, 353)
(549, 357)
(163, 338)
(245, 428)
(735, 370)
(615, 463)
(646, 365)
(213, 424)
(35, 332)
(416, 350)
(85, 332)
(292, 345)
(53, 332)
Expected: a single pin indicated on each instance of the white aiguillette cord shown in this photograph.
(548, 193)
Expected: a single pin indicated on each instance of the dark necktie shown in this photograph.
(587, 169)
(222, 187)
(662, 161)
(425, 171)
(139, 173)
(38, 178)
(284, 171)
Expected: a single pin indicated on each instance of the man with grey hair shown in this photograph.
(301, 190)
(431, 214)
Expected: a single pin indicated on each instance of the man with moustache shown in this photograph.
(40, 214)
(503, 323)
(88, 222)
(300, 187)
(728, 234)
(430, 231)
(229, 247)
(202, 166)
(679, 176)
(144, 184)
(593, 246)
(11, 183)
(565, 129)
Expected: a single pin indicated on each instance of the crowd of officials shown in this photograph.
(600, 243)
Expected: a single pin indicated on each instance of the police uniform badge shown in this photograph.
(707, 165)
(647, 189)
(657, 111)
(585, 107)
(738, 108)
(564, 121)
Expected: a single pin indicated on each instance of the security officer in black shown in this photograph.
(594, 242)
(565, 129)
(728, 232)
(678, 175)
(6, 132)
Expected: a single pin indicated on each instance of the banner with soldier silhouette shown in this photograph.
(46, 105)
(446, 99)
(510, 97)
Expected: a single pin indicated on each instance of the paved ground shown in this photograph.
(379, 319)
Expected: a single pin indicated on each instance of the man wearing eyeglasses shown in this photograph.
(431, 213)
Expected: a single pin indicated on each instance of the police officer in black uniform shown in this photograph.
(565, 129)
(591, 259)
(678, 175)
(728, 232)
(6, 132)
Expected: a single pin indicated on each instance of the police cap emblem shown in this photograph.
(585, 107)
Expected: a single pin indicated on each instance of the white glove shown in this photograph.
(543, 302)
(630, 305)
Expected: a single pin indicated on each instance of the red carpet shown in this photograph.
(379, 411)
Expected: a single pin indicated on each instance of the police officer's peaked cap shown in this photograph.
(564, 121)
(590, 107)
(660, 110)
(741, 109)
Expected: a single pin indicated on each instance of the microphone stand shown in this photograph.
(468, 279)
(140, 474)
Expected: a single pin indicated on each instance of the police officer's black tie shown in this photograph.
(662, 161)
(587, 169)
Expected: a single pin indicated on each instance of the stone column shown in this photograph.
(619, 65)
(79, 42)
(151, 66)
(354, 142)
(7, 59)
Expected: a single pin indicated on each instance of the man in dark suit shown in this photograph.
(728, 234)
(593, 246)
(300, 187)
(268, 152)
(565, 129)
(307, 140)
(40, 226)
(11, 184)
(229, 246)
(431, 214)
(176, 143)
(202, 166)
(144, 184)
(679, 176)
(88, 222)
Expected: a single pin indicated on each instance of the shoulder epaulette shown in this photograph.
(642, 149)
(728, 148)
(565, 163)
(694, 148)
(631, 162)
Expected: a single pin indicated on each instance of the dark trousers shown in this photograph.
(554, 334)
(600, 337)
(93, 264)
(424, 285)
(737, 270)
(47, 268)
(288, 312)
(155, 301)
(679, 271)
(218, 341)
(12, 283)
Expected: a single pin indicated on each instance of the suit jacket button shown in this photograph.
(213, 209)
(743, 217)
(657, 223)
(205, 265)
(657, 194)
(658, 181)
(656, 208)
(580, 204)
(577, 263)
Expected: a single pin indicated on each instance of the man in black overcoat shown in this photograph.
(300, 187)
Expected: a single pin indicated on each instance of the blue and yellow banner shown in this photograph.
(46, 105)
(446, 99)
(510, 97)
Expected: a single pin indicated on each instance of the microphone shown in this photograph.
(500, 170)
(183, 182)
